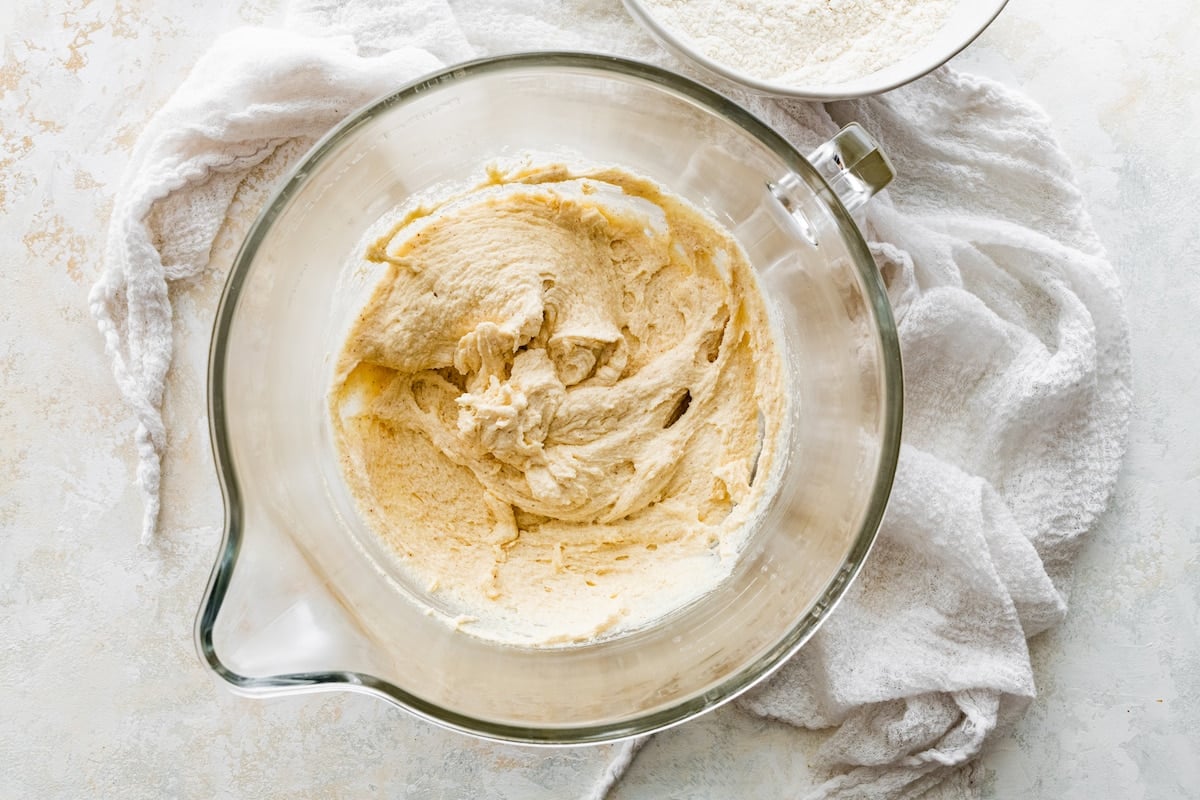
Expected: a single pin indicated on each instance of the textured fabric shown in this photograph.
(251, 92)
(1017, 396)
(1010, 320)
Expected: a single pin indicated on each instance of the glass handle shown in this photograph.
(853, 166)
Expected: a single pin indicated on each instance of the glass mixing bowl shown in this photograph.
(304, 598)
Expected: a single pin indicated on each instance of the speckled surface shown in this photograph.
(105, 696)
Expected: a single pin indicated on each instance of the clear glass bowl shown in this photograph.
(302, 596)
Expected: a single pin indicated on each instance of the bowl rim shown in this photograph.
(678, 45)
(738, 680)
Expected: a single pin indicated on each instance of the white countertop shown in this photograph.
(105, 694)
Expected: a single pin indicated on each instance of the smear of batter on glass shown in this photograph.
(560, 402)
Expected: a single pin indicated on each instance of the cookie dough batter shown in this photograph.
(560, 403)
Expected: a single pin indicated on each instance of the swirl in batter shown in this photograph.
(559, 402)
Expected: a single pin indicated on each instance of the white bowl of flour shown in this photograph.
(816, 49)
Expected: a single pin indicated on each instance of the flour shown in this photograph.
(804, 41)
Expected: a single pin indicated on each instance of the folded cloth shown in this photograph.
(254, 90)
(1017, 396)
(1010, 319)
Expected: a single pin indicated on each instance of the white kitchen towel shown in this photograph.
(1010, 319)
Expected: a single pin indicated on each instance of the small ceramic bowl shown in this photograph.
(966, 22)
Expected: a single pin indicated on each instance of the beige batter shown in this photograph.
(560, 404)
